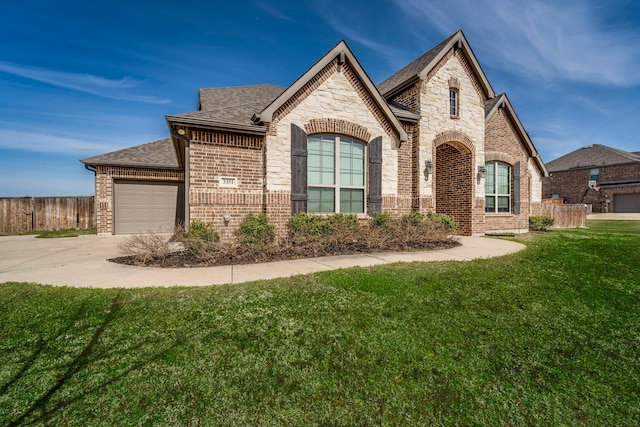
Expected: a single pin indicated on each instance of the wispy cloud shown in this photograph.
(543, 39)
(275, 12)
(344, 21)
(87, 83)
(49, 143)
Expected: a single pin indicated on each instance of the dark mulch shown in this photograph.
(238, 254)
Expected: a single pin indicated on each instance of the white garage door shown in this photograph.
(142, 207)
(626, 203)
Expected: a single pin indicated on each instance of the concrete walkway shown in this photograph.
(82, 262)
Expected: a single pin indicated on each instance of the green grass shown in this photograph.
(547, 336)
(64, 233)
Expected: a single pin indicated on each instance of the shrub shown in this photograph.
(256, 230)
(380, 219)
(146, 247)
(305, 228)
(448, 222)
(202, 231)
(540, 223)
(201, 239)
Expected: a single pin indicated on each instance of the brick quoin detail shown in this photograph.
(315, 83)
(302, 94)
(338, 126)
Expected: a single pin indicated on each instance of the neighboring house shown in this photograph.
(606, 178)
(432, 137)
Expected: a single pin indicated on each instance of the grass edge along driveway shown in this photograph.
(547, 336)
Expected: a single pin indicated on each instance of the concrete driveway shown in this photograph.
(615, 216)
(82, 262)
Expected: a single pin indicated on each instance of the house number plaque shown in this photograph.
(228, 181)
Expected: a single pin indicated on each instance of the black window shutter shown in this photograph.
(516, 188)
(298, 170)
(375, 175)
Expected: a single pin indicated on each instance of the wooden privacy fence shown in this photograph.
(26, 214)
(565, 216)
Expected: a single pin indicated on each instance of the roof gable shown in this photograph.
(595, 155)
(502, 101)
(420, 68)
(343, 52)
(155, 155)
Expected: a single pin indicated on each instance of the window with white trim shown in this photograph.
(335, 174)
(594, 175)
(497, 187)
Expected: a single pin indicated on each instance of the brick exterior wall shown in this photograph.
(454, 183)
(105, 175)
(573, 185)
(213, 156)
(503, 144)
(336, 101)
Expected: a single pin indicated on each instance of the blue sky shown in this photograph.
(82, 78)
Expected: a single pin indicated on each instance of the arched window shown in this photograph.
(335, 174)
(497, 187)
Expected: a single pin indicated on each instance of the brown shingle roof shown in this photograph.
(156, 155)
(412, 70)
(592, 156)
(232, 105)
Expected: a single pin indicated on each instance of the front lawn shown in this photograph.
(547, 336)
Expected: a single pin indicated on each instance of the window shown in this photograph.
(453, 102)
(594, 175)
(497, 187)
(335, 174)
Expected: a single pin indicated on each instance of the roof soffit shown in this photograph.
(341, 49)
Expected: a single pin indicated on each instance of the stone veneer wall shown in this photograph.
(333, 101)
(467, 127)
(105, 175)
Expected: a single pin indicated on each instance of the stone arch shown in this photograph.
(453, 137)
(454, 180)
(338, 126)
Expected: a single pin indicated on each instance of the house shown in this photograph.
(606, 178)
(432, 137)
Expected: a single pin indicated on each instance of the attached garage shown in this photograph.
(146, 206)
(626, 203)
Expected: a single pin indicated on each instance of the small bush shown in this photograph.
(540, 223)
(381, 219)
(256, 230)
(146, 247)
(445, 220)
(305, 228)
(201, 239)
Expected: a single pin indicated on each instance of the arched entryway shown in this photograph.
(454, 183)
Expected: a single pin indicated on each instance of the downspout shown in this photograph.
(93, 169)
(187, 175)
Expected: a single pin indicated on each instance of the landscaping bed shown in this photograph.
(308, 236)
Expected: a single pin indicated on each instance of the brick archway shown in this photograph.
(454, 183)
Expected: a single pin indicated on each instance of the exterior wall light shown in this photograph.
(428, 169)
(481, 171)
